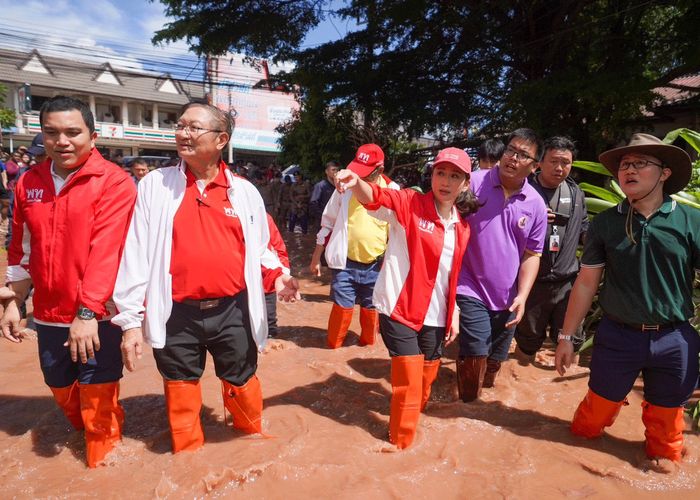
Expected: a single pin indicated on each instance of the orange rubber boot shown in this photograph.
(430, 372)
(593, 414)
(338, 324)
(68, 399)
(369, 323)
(245, 404)
(103, 417)
(664, 431)
(183, 400)
(406, 386)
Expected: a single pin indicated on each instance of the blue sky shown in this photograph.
(115, 30)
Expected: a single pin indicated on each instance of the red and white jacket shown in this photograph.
(143, 292)
(278, 247)
(70, 244)
(406, 282)
(333, 233)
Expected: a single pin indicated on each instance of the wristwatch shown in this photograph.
(561, 336)
(85, 313)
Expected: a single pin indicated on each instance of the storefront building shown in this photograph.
(135, 112)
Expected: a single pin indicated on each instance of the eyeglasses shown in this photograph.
(372, 175)
(637, 165)
(192, 130)
(511, 152)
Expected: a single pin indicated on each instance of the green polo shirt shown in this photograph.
(650, 282)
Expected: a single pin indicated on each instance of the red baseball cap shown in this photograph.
(454, 156)
(367, 159)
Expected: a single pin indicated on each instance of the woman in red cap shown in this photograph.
(415, 291)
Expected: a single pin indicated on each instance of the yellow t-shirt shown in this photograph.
(367, 236)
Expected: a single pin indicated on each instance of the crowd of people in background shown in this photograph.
(293, 200)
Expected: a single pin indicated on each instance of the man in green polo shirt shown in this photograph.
(649, 248)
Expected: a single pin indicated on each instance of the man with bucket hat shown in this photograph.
(649, 247)
(354, 244)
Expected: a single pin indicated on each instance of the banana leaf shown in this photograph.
(686, 201)
(615, 187)
(689, 196)
(587, 344)
(602, 193)
(592, 166)
(691, 137)
(596, 205)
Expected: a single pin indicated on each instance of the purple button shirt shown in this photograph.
(501, 231)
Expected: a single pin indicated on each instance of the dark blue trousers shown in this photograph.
(483, 332)
(60, 371)
(667, 360)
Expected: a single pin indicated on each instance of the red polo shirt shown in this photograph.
(208, 247)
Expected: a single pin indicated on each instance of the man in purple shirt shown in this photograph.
(501, 262)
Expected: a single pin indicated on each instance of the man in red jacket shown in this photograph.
(70, 219)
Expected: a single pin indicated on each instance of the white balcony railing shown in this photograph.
(30, 124)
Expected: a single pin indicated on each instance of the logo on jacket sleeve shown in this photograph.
(425, 225)
(34, 195)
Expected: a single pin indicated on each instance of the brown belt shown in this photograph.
(203, 304)
(642, 327)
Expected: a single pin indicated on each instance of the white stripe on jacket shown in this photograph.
(337, 210)
(143, 290)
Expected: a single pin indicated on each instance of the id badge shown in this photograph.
(554, 243)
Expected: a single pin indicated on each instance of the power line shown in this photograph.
(18, 38)
(68, 34)
(158, 60)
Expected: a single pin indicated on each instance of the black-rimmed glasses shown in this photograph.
(637, 165)
(511, 152)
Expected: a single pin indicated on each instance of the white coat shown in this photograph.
(143, 290)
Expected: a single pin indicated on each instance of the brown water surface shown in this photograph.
(327, 412)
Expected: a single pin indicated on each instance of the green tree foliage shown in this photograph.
(585, 68)
(315, 135)
(7, 116)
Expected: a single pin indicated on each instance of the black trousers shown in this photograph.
(271, 303)
(545, 309)
(401, 340)
(224, 331)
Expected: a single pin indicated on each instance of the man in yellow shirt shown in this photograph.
(354, 244)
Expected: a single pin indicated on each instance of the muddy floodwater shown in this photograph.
(326, 417)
